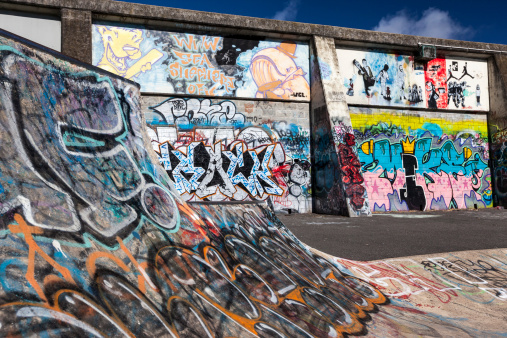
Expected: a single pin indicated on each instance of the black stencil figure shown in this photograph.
(415, 95)
(451, 75)
(412, 193)
(455, 91)
(433, 97)
(365, 71)
(478, 95)
(465, 72)
(383, 77)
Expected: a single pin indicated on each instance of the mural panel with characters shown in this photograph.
(382, 78)
(181, 63)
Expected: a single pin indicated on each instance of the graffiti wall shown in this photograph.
(423, 160)
(391, 79)
(233, 150)
(95, 242)
(180, 63)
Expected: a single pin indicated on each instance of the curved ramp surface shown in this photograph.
(93, 241)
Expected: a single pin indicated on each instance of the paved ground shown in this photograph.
(401, 234)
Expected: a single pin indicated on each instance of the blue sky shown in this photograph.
(464, 20)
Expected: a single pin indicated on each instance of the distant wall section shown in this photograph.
(428, 149)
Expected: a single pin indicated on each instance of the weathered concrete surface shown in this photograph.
(497, 124)
(77, 34)
(350, 181)
(457, 294)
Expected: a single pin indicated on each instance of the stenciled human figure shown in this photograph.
(451, 75)
(465, 72)
(478, 95)
(433, 95)
(277, 75)
(121, 45)
(420, 94)
(400, 82)
(382, 77)
(415, 95)
(365, 71)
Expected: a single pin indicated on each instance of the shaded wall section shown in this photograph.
(423, 160)
(498, 127)
(333, 141)
(96, 242)
(232, 150)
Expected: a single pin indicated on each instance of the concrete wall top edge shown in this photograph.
(255, 24)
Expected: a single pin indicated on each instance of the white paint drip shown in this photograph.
(58, 248)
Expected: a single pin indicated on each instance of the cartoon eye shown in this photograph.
(289, 69)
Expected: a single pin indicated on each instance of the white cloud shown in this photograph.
(434, 23)
(289, 13)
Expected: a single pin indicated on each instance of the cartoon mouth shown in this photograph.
(130, 49)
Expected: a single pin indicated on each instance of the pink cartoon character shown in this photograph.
(277, 75)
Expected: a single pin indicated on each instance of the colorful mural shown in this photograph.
(423, 160)
(390, 79)
(95, 241)
(234, 150)
(179, 63)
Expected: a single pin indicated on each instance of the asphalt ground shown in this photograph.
(389, 235)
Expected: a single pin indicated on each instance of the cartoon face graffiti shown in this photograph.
(277, 75)
(122, 42)
(121, 45)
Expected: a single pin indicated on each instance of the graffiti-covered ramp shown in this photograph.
(95, 243)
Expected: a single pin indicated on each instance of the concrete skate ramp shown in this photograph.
(94, 242)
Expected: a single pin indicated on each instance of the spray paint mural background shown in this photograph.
(180, 63)
(95, 241)
(391, 79)
(423, 160)
(234, 150)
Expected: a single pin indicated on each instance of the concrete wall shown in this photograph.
(498, 128)
(43, 29)
(216, 150)
(234, 150)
